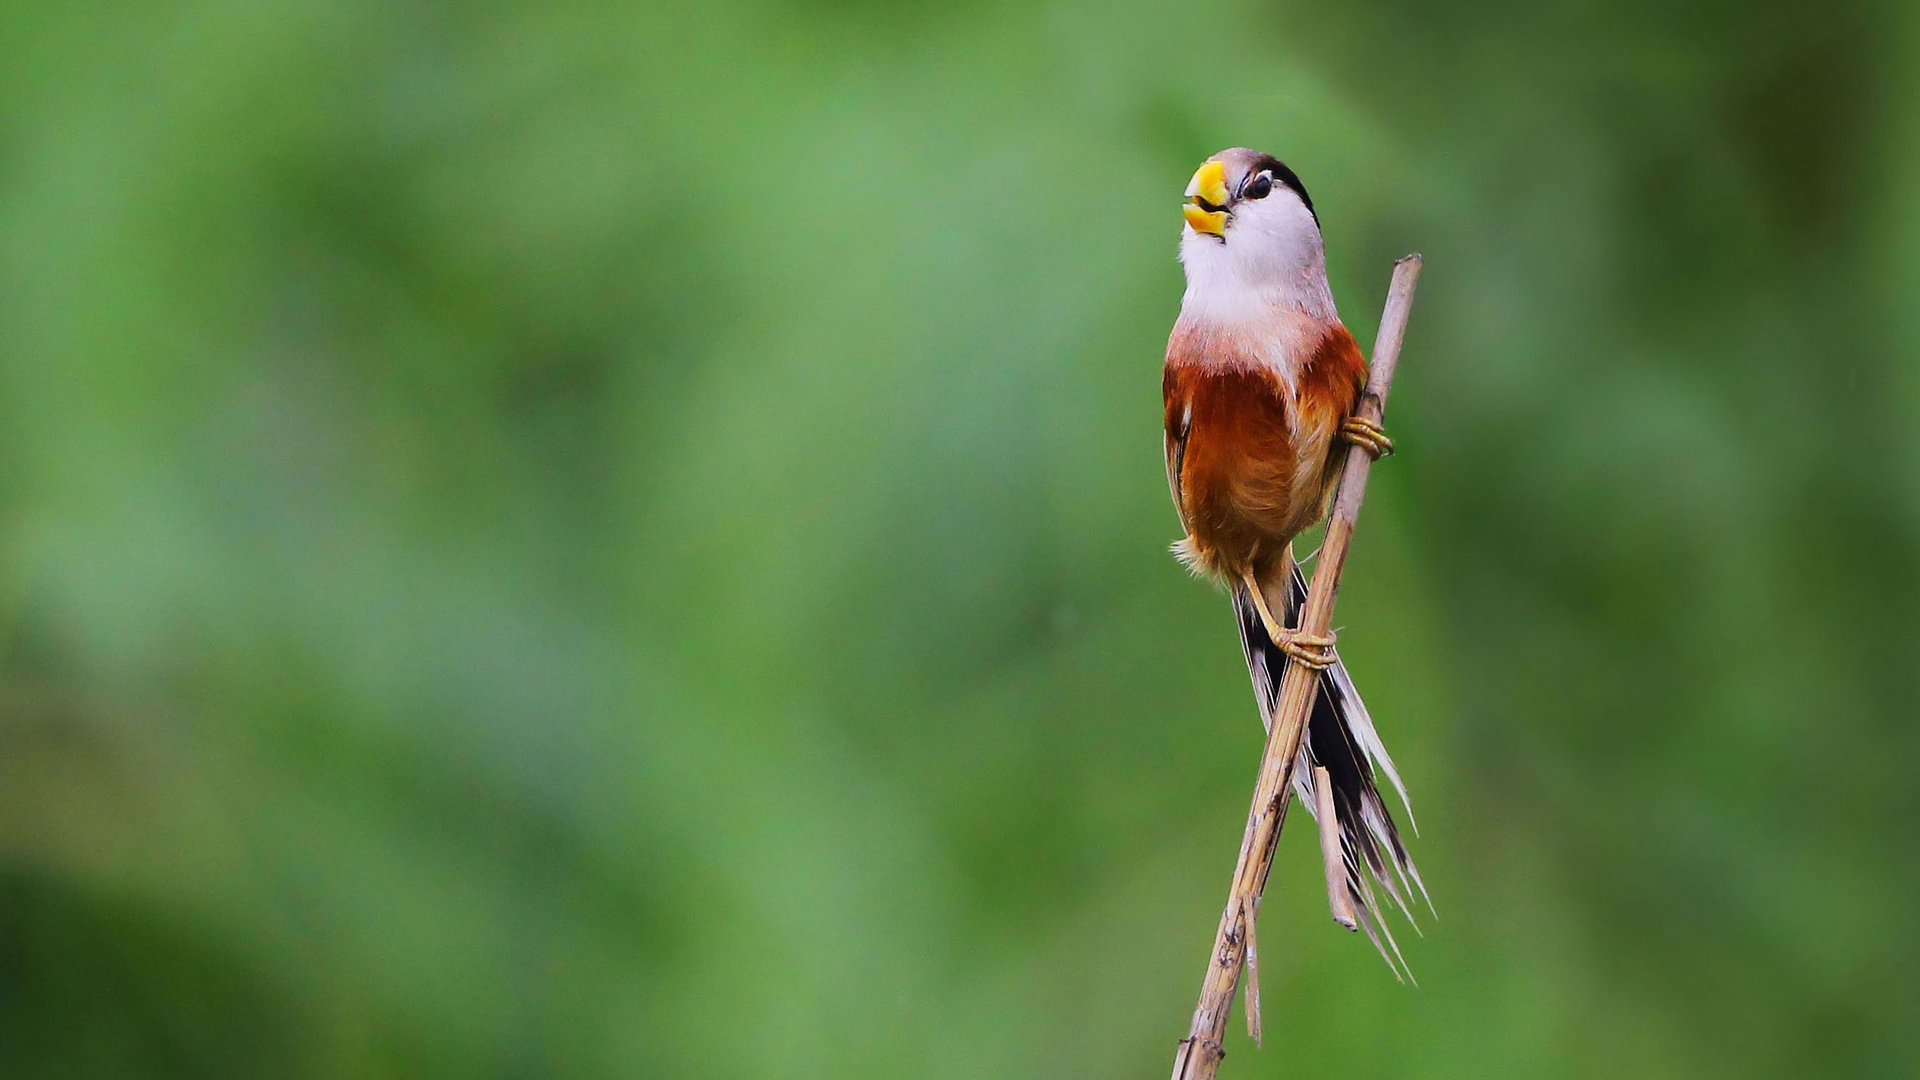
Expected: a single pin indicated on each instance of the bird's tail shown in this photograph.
(1340, 738)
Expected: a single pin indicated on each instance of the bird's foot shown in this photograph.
(1366, 435)
(1312, 651)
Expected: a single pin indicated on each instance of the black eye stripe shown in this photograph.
(1285, 177)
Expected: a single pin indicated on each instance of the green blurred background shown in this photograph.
(574, 540)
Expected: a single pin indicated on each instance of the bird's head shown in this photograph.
(1250, 228)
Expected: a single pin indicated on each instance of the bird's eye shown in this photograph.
(1259, 187)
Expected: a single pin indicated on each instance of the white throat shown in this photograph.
(1262, 296)
(1253, 278)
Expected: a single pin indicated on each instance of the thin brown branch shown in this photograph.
(1339, 901)
(1253, 974)
(1200, 1052)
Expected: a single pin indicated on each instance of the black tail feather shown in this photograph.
(1341, 739)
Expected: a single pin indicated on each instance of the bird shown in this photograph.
(1260, 383)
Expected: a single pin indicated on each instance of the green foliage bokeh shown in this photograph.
(579, 540)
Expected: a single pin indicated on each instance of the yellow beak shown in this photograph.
(1206, 207)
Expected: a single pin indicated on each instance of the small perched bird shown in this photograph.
(1260, 384)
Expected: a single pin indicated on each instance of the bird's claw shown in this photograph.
(1312, 651)
(1366, 435)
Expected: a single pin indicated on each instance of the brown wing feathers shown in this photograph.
(1248, 454)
